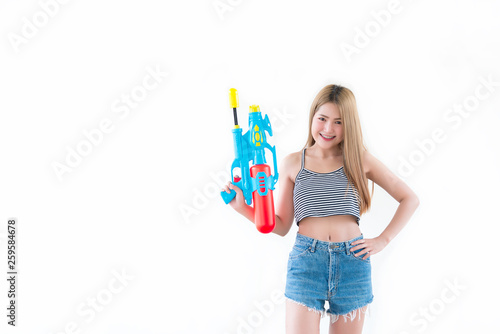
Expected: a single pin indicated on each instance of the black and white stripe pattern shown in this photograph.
(323, 194)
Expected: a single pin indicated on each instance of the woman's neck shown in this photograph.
(333, 153)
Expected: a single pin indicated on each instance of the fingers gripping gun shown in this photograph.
(256, 182)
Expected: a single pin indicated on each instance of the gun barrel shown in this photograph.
(234, 103)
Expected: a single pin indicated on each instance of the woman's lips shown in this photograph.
(326, 139)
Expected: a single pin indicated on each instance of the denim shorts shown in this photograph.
(321, 272)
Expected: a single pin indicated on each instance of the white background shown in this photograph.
(145, 200)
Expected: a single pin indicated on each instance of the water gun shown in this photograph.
(256, 182)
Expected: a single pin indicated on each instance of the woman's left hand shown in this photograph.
(368, 246)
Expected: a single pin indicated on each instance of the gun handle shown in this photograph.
(228, 197)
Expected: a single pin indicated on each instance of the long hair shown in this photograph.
(352, 146)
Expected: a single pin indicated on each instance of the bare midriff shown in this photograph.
(332, 228)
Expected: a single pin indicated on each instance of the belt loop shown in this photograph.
(347, 247)
(313, 247)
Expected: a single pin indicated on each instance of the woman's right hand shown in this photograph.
(238, 202)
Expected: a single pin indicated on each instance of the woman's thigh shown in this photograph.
(299, 319)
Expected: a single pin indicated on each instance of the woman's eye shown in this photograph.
(321, 118)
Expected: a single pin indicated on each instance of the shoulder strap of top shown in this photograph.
(303, 154)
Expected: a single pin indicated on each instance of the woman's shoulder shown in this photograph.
(291, 164)
(292, 158)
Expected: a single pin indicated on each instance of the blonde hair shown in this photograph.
(352, 146)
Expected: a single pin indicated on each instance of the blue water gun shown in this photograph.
(256, 182)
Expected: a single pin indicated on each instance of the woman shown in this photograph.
(325, 188)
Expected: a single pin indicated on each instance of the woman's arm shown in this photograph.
(284, 202)
(408, 200)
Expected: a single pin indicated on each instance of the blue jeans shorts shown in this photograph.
(321, 272)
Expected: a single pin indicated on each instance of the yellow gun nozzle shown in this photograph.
(254, 108)
(233, 98)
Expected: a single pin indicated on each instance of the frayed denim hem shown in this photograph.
(351, 315)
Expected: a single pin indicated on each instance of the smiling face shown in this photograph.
(326, 127)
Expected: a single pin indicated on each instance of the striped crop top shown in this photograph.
(323, 194)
